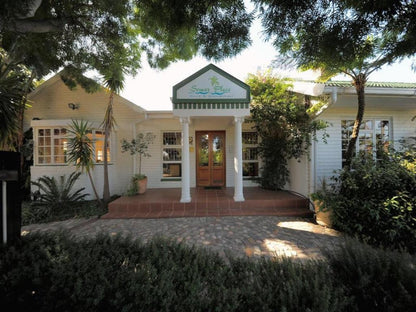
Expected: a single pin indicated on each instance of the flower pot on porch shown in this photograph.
(142, 185)
(323, 216)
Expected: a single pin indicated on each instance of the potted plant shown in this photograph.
(138, 146)
(322, 212)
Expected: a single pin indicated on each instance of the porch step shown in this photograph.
(164, 203)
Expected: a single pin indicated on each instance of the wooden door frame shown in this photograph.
(197, 133)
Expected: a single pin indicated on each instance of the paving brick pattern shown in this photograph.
(252, 236)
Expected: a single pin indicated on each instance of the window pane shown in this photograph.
(171, 170)
(250, 169)
(250, 138)
(99, 151)
(217, 150)
(203, 151)
(250, 153)
(172, 138)
(172, 154)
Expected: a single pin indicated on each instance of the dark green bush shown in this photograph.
(34, 213)
(375, 201)
(375, 279)
(53, 272)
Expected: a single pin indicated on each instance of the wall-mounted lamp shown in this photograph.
(73, 106)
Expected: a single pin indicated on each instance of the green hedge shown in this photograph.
(53, 272)
(374, 201)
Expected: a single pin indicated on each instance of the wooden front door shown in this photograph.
(210, 158)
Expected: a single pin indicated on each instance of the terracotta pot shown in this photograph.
(322, 217)
(142, 185)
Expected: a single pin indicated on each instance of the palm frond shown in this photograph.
(80, 145)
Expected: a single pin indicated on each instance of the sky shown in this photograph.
(152, 89)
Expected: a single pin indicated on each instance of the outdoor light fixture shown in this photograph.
(73, 106)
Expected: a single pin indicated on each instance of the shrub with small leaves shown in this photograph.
(375, 201)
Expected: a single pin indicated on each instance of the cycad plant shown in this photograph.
(81, 150)
(58, 193)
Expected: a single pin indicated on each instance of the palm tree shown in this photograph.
(81, 150)
(114, 82)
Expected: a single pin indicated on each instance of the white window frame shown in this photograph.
(173, 162)
(94, 140)
(371, 134)
(50, 146)
(246, 161)
(66, 136)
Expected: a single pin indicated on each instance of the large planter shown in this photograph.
(322, 217)
(142, 185)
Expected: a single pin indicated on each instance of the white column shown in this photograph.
(186, 191)
(238, 160)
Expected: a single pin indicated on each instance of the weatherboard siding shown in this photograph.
(328, 156)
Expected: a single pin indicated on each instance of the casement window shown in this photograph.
(374, 136)
(172, 154)
(52, 145)
(250, 154)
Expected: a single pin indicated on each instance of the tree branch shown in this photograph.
(37, 26)
(34, 6)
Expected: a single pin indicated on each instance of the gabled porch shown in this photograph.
(165, 203)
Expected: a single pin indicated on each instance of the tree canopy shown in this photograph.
(80, 35)
(342, 36)
(89, 34)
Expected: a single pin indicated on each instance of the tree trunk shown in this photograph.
(94, 189)
(359, 83)
(21, 132)
(107, 131)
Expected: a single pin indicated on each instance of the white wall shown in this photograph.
(50, 106)
(399, 110)
(152, 166)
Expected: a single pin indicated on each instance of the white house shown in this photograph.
(209, 109)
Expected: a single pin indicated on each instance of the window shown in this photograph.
(373, 133)
(172, 154)
(250, 154)
(97, 137)
(52, 145)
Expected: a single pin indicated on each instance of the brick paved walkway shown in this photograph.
(252, 236)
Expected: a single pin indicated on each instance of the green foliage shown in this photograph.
(50, 272)
(134, 188)
(80, 148)
(375, 201)
(374, 279)
(81, 151)
(58, 194)
(33, 213)
(284, 125)
(15, 83)
(341, 36)
(138, 146)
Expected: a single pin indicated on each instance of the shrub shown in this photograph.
(58, 194)
(375, 201)
(375, 279)
(54, 272)
(33, 213)
(284, 124)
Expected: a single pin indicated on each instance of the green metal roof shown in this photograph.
(374, 84)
